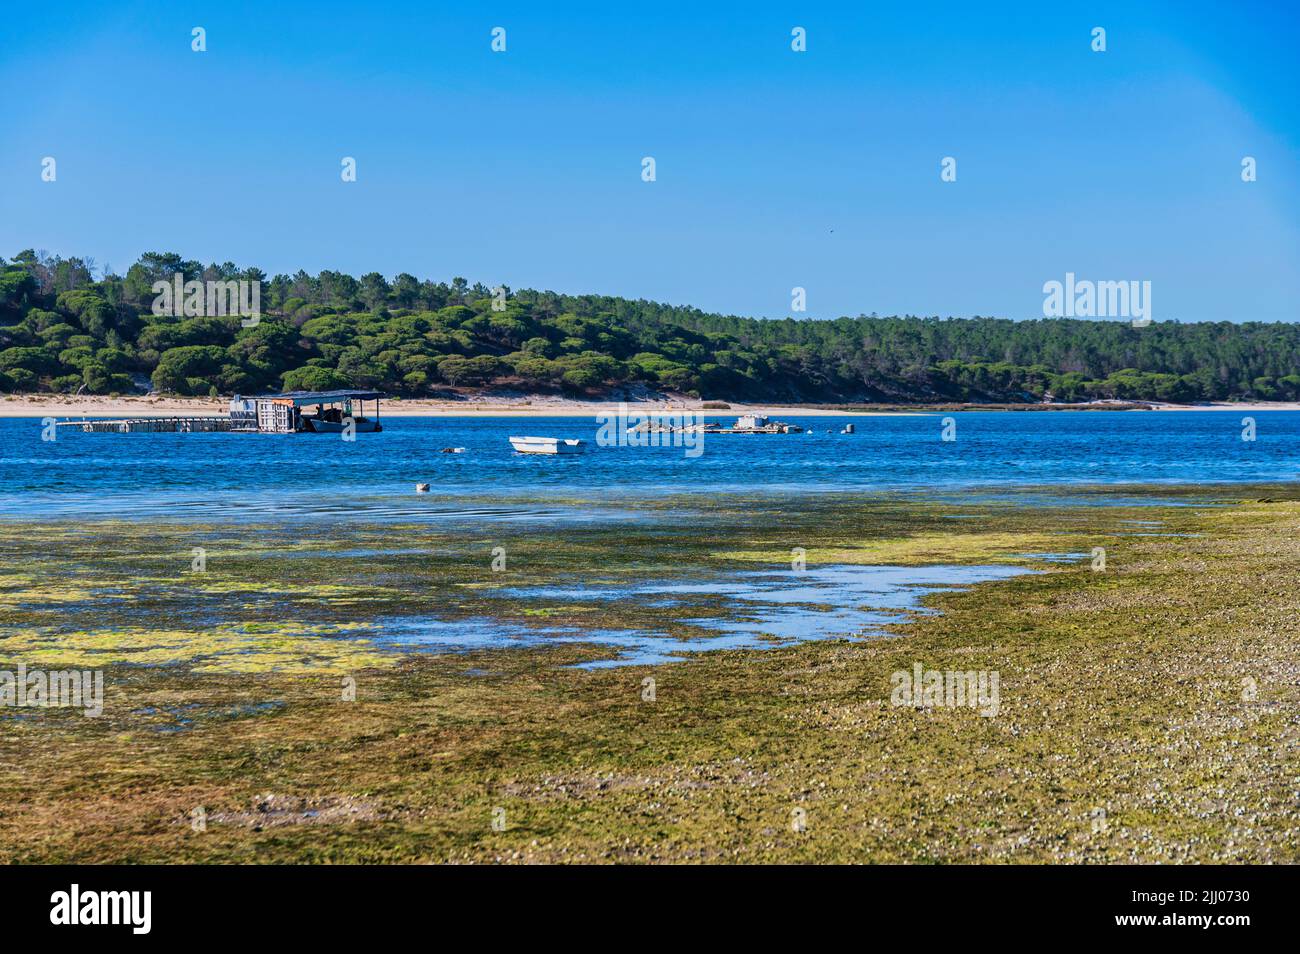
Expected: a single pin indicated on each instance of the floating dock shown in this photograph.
(176, 425)
(286, 413)
(745, 424)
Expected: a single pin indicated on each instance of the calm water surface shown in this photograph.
(260, 475)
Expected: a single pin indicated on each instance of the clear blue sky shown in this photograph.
(775, 168)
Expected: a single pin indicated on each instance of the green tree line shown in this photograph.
(62, 329)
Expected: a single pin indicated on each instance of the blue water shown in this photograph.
(769, 609)
(258, 475)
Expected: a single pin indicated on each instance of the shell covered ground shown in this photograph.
(267, 697)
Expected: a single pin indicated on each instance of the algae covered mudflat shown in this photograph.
(408, 691)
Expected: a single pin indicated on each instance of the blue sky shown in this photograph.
(775, 169)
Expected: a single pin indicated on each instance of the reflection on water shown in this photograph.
(768, 609)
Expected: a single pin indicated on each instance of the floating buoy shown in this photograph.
(421, 488)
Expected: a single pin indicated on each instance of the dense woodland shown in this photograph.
(64, 330)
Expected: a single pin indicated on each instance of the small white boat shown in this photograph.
(547, 445)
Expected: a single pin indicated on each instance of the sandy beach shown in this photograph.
(61, 406)
(78, 406)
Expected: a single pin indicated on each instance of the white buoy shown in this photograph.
(421, 488)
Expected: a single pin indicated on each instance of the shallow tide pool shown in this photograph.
(768, 609)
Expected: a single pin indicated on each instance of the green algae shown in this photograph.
(1122, 692)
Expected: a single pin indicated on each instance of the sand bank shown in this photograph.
(70, 406)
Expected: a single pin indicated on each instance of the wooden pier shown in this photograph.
(176, 425)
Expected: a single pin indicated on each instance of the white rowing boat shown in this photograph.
(547, 445)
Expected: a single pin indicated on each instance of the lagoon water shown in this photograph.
(220, 478)
(771, 608)
(262, 475)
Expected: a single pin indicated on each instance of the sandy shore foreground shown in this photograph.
(69, 406)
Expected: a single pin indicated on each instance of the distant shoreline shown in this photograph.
(69, 406)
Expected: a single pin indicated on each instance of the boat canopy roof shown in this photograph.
(300, 398)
